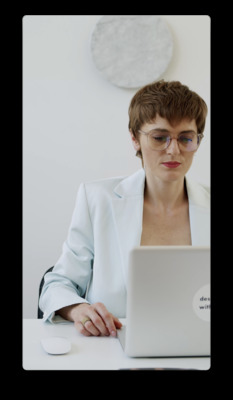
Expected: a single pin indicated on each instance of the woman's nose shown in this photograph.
(173, 147)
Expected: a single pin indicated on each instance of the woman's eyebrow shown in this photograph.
(160, 130)
(188, 131)
(167, 131)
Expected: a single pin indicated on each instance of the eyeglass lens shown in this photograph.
(187, 141)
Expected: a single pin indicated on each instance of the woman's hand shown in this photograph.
(92, 319)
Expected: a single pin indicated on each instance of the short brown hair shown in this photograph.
(171, 100)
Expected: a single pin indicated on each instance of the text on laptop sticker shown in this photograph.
(201, 303)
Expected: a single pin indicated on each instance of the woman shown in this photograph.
(157, 205)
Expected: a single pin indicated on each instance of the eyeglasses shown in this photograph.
(160, 141)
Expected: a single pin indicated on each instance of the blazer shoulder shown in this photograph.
(122, 186)
(198, 193)
(102, 187)
(205, 189)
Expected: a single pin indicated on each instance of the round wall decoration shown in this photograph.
(131, 50)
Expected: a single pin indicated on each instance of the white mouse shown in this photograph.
(56, 345)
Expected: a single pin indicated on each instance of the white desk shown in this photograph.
(89, 353)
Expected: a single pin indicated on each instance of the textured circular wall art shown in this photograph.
(131, 50)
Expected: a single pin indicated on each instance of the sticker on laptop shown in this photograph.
(201, 303)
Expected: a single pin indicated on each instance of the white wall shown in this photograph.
(75, 126)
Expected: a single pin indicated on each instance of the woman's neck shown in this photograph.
(165, 196)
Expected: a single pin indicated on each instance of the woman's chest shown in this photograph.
(170, 229)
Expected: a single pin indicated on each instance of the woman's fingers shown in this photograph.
(98, 322)
(81, 328)
(107, 318)
(117, 323)
(95, 320)
(91, 328)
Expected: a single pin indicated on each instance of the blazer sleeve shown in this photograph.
(67, 283)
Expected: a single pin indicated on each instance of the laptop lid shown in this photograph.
(168, 302)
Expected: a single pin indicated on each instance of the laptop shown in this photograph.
(168, 302)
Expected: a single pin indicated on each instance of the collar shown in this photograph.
(133, 185)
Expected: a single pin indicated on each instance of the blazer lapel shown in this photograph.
(199, 213)
(128, 212)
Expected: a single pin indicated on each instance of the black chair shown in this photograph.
(39, 312)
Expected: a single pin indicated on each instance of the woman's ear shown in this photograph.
(136, 143)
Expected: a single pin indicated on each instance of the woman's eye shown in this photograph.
(185, 139)
(160, 138)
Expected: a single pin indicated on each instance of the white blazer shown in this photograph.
(106, 224)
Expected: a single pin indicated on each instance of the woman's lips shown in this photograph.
(171, 164)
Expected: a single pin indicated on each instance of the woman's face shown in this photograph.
(157, 162)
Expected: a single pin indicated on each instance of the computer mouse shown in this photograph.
(56, 345)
